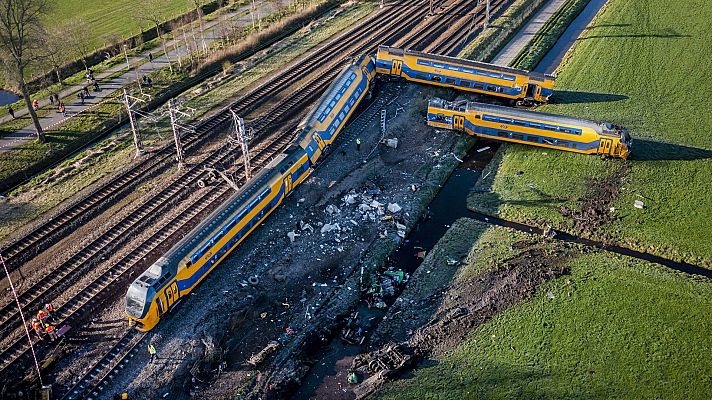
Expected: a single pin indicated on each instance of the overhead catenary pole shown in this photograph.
(243, 139)
(487, 14)
(130, 102)
(176, 134)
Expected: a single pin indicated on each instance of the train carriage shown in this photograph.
(320, 128)
(530, 127)
(517, 85)
(186, 264)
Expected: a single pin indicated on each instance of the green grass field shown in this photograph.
(642, 65)
(615, 327)
(120, 17)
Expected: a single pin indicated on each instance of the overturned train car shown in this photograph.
(531, 128)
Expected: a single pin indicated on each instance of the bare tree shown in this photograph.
(56, 49)
(77, 37)
(150, 10)
(199, 10)
(21, 35)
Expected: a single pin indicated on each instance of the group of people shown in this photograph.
(44, 322)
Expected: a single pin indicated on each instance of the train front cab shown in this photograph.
(540, 87)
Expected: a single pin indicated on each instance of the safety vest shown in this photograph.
(49, 329)
(49, 308)
(151, 349)
(358, 141)
(41, 314)
(37, 326)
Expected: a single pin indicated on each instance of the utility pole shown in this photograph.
(487, 14)
(243, 137)
(130, 102)
(431, 8)
(128, 67)
(174, 112)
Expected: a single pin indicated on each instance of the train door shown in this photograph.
(172, 294)
(458, 122)
(319, 141)
(531, 89)
(604, 146)
(288, 184)
(396, 67)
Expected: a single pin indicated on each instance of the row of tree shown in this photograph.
(26, 44)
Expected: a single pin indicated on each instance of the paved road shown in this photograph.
(553, 58)
(109, 86)
(527, 32)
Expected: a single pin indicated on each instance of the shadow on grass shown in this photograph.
(668, 33)
(649, 150)
(573, 97)
(592, 27)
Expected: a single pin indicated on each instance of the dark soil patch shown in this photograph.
(594, 209)
(467, 305)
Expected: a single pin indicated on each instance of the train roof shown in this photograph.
(494, 67)
(213, 222)
(519, 113)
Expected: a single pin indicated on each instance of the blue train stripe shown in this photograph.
(197, 275)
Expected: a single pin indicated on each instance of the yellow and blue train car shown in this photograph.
(530, 127)
(520, 86)
(320, 127)
(174, 275)
(186, 264)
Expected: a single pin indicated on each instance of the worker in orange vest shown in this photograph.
(49, 309)
(49, 330)
(42, 315)
(37, 326)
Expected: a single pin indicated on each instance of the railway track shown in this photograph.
(464, 30)
(134, 257)
(116, 235)
(62, 276)
(42, 237)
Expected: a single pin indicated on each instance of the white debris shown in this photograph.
(413, 188)
(392, 143)
(291, 235)
(639, 204)
(394, 207)
(302, 200)
(306, 227)
(400, 227)
(376, 204)
(550, 295)
(330, 227)
(364, 208)
(332, 209)
(483, 149)
(350, 199)
(452, 261)
(353, 222)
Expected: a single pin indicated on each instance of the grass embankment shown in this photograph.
(615, 327)
(492, 39)
(547, 36)
(50, 188)
(643, 66)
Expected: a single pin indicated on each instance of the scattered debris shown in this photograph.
(639, 204)
(480, 150)
(257, 358)
(450, 260)
(392, 143)
(291, 235)
(394, 207)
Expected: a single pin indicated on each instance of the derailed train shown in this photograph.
(163, 285)
(173, 276)
(518, 85)
(530, 127)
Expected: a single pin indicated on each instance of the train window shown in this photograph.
(503, 134)
(517, 136)
(465, 83)
(477, 117)
(161, 310)
(436, 78)
(533, 139)
(450, 81)
(479, 86)
(573, 145)
(491, 88)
